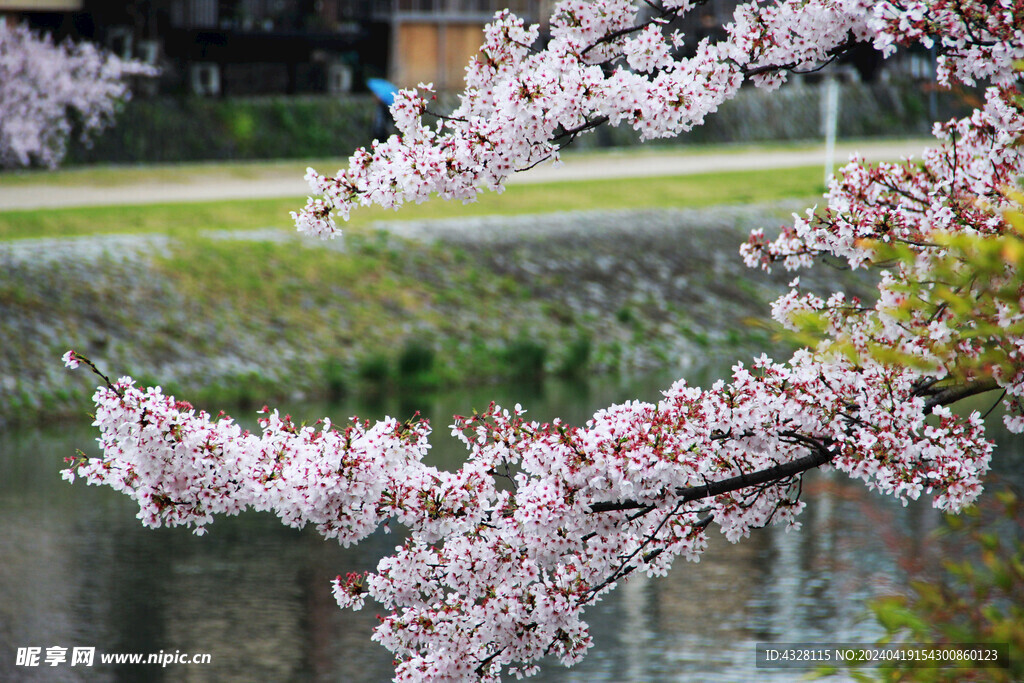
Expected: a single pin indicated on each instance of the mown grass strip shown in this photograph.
(188, 218)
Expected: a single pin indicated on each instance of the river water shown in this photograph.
(77, 570)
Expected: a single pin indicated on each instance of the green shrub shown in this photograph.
(169, 129)
(243, 127)
(416, 365)
(525, 358)
(416, 359)
(334, 379)
(577, 357)
(374, 369)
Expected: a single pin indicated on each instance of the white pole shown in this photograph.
(830, 122)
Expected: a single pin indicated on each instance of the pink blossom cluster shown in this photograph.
(183, 467)
(543, 519)
(505, 554)
(959, 188)
(976, 40)
(601, 65)
(41, 83)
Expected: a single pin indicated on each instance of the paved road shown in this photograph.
(624, 164)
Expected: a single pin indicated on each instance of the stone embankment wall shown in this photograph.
(473, 299)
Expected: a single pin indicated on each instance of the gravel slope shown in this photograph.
(649, 289)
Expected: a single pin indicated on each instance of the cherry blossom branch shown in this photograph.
(493, 578)
(625, 569)
(948, 395)
(821, 455)
(831, 55)
(72, 360)
(573, 133)
(663, 14)
(51, 91)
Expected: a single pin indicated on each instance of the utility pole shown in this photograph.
(830, 122)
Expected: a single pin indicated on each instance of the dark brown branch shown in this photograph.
(534, 164)
(767, 68)
(573, 132)
(820, 455)
(943, 396)
(92, 366)
(444, 117)
(998, 400)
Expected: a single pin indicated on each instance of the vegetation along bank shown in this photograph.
(239, 317)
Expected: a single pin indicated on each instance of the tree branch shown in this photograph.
(662, 15)
(820, 455)
(766, 68)
(943, 396)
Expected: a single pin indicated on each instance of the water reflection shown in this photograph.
(76, 569)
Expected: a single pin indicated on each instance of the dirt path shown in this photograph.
(629, 163)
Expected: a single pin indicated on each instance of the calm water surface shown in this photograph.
(77, 570)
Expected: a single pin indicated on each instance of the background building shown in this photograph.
(253, 47)
(433, 40)
(228, 47)
(234, 48)
(250, 47)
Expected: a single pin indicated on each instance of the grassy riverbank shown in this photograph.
(191, 297)
(185, 220)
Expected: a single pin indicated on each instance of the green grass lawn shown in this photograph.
(352, 314)
(189, 218)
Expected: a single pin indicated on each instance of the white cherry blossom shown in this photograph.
(41, 82)
(505, 554)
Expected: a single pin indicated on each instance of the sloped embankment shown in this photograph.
(246, 317)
